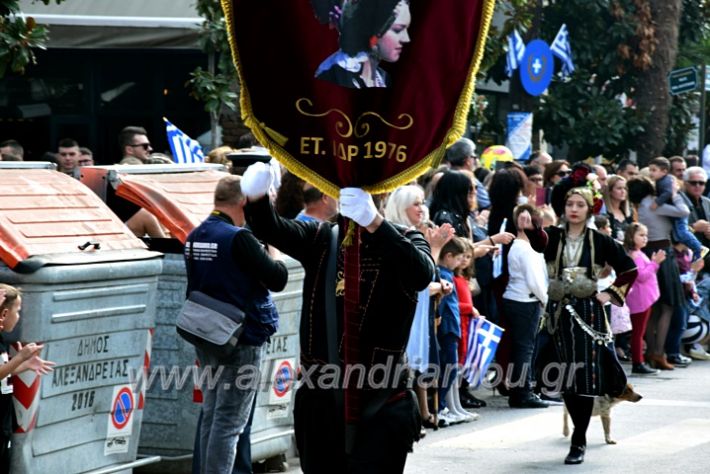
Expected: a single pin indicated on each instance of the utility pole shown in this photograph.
(701, 132)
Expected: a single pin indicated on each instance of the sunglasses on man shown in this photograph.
(145, 146)
(696, 183)
(563, 174)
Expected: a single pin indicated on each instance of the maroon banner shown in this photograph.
(364, 93)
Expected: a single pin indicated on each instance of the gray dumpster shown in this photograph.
(181, 196)
(89, 290)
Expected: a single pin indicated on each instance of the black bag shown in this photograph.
(211, 325)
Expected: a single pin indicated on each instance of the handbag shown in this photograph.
(620, 319)
(210, 325)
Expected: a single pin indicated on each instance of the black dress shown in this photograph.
(579, 324)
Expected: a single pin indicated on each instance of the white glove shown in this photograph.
(357, 205)
(257, 180)
(276, 173)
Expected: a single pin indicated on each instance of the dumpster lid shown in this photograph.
(48, 217)
(180, 196)
(27, 165)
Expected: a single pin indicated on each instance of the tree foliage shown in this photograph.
(18, 37)
(594, 111)
(214, 87)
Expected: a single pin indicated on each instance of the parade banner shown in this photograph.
(364, 93)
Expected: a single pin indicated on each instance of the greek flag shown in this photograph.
(482, 347)
(516, 50)
(184, 148)
(498, 258)
(562, 49)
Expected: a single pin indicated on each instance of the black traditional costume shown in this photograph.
(576, 320)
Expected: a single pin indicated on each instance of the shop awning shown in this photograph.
(118, 24)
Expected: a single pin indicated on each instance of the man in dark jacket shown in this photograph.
(382, 417)
(226, 262)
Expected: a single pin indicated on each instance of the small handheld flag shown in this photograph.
(483, 344)
(561, 48)
(184, 148)
(516, 50)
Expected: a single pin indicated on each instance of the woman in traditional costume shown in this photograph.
(577, 256)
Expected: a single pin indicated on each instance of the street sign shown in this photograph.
(683, 80)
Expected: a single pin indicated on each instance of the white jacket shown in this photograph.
(528, 274)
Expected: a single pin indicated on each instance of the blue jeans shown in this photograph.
(448, 360)
(682, 232)
(242, 463)
(679, 323)
(523, 319)
(228, 396)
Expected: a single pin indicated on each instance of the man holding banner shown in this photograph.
(409, 70)
(381, 417)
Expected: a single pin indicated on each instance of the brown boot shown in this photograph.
(660, 362)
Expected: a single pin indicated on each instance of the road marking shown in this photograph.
(505, 435)
(673, 403)
(671, 439)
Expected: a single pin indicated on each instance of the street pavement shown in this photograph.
(668, 431)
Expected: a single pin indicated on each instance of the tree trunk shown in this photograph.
(653, 97)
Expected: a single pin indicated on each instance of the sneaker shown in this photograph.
(679, 360)
(450, 417)
(442, 423)
(698, 353)
(473, 416)
(643, 369)
(466, 417)
(444, 419)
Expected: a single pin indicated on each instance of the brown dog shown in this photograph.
(602, 407)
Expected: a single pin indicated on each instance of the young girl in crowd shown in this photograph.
(449, 335)
(618, 315)
(523, 300)
(27, 358)
(462, 282)
(643, 293)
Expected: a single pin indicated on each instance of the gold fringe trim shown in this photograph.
(275, 143)
(349, 238)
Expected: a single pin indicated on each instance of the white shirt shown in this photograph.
(528, 274)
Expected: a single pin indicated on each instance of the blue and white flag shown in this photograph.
(184, 148)
(562, 49)
(516, 50)
(481, 350)
(498, 257)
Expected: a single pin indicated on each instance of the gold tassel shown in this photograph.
(275, 136)
(349, 238)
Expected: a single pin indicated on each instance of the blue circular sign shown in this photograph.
(122, 408)
(537, 67)
(283, 379)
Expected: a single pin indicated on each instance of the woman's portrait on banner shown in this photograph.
(371, 31)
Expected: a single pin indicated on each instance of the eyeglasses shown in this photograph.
(562, 174)
(145, 146)
(696, 183)
(536, 179)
